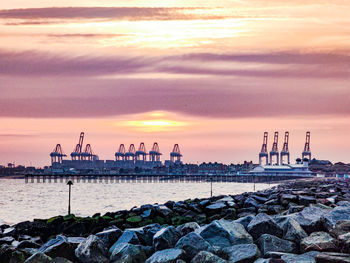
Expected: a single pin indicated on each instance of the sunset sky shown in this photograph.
(211, 76)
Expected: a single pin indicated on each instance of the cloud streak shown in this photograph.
(294, 65)
(114, 13)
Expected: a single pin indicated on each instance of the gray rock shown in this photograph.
(215, 208)
(193, 243)
(247, 253)
(163, 210)
(38, 258)
(288, 198)
(333, 258)
(306, 200)
(128, 253)
(207, 257)
(167, 256)
(251, 202)
(292, 231)
(92, 250)
(128, 236)
(58, 247)
(223, 233)
(339, 213)
(27, 244)
(264, 224)
(319, 241)
(166, 238)
(304, 258)
(187, 228)
(110, 235)
(269, 243)
(245, 220)
(146, 233)
(310, 219)
(6, 240)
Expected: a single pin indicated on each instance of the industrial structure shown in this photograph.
(130, 159)
(277, 165)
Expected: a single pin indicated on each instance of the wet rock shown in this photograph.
(339, 213)
(109, 235)
(58, 247)
(128, 253)
(6, 240)
(27, 244)
(310, 219)
(215, 208)
(303, 258)
(166, 238)
(245, 220)
(60, 260)
(39, 258)
(251, 202)
(288, 198)
(92, 250)
(223, 233)
(207, 257)
(145, 234)
(193, 243)
(319, 241)
(269, 243)
(187, 228)
(167, 256)
(293, 231)
(9, 232)
(242, 253)
(332, 258)
(164, 210)
(264, 224)
(306, 200)
(128, 236)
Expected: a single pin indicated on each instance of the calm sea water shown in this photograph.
(22, 201)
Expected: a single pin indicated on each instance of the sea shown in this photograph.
(22, 200)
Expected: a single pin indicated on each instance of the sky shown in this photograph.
(211, 76)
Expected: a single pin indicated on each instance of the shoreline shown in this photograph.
(295, 212)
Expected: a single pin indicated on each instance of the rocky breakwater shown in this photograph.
(304, 221)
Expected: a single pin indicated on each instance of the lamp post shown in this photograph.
(70, 183)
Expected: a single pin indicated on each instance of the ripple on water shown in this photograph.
(44, 200)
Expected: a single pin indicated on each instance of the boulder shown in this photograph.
(163, 210)
(288, 198)
(60, 260)
(340, 228)
(292, 231)
(38, 258)
(223, 233)
(109, 235)
(264, 224)
(27, 244)
(339, 213)
(145, 234)
(193, 243)
(128, 236)
(167, 256)
(58, 247)
(207, 257)
(246, 253)
(166, 238)
(215, 208)
(128, 253)
(245, 220)
(332, 258)
(303, 258)
(269, 243)
(306, 200)
(6, 240)
(186, 228)
(319, 241)
(310, 219)
(92, 250)
(251, 202)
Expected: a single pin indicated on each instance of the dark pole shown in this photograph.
(211, 186)
(70, 183)
(254, 182)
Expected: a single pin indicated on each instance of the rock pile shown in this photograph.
(303, 221)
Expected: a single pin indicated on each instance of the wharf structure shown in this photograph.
(85, 160)
(277, 163)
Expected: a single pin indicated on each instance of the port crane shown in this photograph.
(57, 154)
(307, 151)
(175, 155)
(285, 150)
(120, 154)
(76, 154)
(274, 150)
(141, 153)
(154, 153)
(263, 153)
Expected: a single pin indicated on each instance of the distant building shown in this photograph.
(298, 169)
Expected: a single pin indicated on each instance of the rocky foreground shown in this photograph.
(304, 221)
